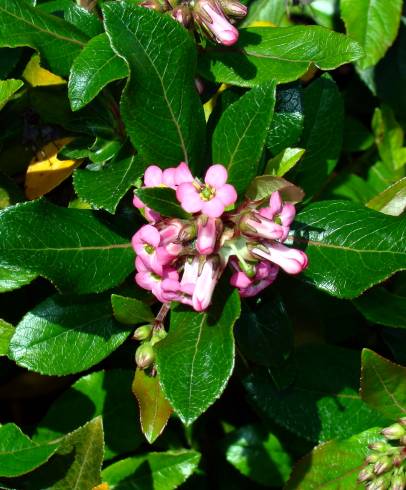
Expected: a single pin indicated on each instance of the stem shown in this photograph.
(160, 318)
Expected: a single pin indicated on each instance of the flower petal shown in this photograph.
(213, 208)
(153, 176)
(216, 176)
(189, 198)
(227, 194)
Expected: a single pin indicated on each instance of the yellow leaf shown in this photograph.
(262, 23)
(102, 486)
(38, 76)
(209, 106)
(46, 171)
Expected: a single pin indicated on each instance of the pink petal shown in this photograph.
(153, 176)
(151, 215)
(149, 235)
(213, 208)
(137, 203)
(240, 280)
(288, 213)
(140, 265)
(216, 176)
(145, 280)
(189, 197)
(227, 194)
(206, 237)
(183, 174)
(168, 177)
(275, 203)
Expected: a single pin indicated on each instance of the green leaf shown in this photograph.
(240, 135)
(155, 410)
(349, 186)
(265, 10)
(383, 307)
(85, 20)
(322, 134)
(374, 24)
(323, 402)
(392, 200)
(283, 54)
(264, 332)
(130, 311)
(263, 186)
(350, 248)
(18, 454)
(57, 41)
(157, 471)
(95, 67)
(356, 136)
(6, 332)
(61, 244)
(104, 188)
(334, 465)
(85, 324)
(287, 122)
(163, 200)
(87, 445)
(7, 89)
(104, 393)
(8, 60)
(383, 385)
(196, 359)
(259, 455)
(285, 161)
(10, 192)
(160, 105)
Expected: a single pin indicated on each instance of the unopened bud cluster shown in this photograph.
(148, 336)
(386, 464)
(213, 17)
(182, 259)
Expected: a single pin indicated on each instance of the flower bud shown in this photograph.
(372, 458)
(383, 464)
(233, 8)
(209, 15)
(144, 355)
(398, 481)
(182, 15)
(158, 335)
(379, 446)
(366, 474)
(380, 483)
(402, 421)
(143, 332)
(394, 432)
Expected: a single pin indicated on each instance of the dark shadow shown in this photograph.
(141, 478)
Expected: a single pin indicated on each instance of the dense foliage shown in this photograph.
(299, 387)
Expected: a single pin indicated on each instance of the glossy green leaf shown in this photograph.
(374, 24)
(105, 187)
(6, 332)
(57, 41)
(334, 465)
(18, 454)
(383, 385)
(284, 161)
(383, 307)
(95, 67)
(287, 122)
(104, 393)
(263, 186)
(7, 89)
(41, 239)
(196, 359)
(259, 455)
(130, 311)
(240, 135)
(392, 200)
(323, 402)
(160, 105)
(265, 10)
(264, 332)
(163, 200)
(87, 445)
(153, 471)
(349, 186)
(155, 410)
(283, 54)
(85, 20)
(85, 324)
(350, 248)
(322, 134)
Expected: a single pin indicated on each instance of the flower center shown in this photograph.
(207, 193)
(149, 249)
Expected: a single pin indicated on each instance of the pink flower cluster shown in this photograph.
(182, 260)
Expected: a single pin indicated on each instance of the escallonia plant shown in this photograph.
(202, 253)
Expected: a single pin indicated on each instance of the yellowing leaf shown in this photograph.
(102, 486)
(262, 23)
(38, 76)
(209, 106)
(46, 171)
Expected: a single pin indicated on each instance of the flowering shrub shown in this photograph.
(202, 244)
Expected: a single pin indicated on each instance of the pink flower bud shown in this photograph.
(256, 226)
(153, 176)
(233, 8)
(209, 14)
(205, 284)
(206, 235)
(290, 260)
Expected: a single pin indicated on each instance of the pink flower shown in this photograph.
(257, 226)
(290, 260)
(281, 213)
(212, 197)
(183, 174)
(265, 275)
(147, 244)
(206, 236)
(205, 284)
(210, 15)
(153, 282)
